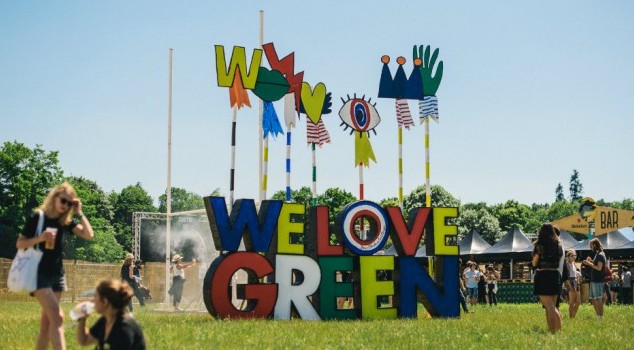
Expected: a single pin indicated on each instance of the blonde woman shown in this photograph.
(572, 283)
(59, 207)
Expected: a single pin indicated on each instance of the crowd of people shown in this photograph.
(477, 286)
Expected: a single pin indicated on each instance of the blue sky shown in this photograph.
(531, 91)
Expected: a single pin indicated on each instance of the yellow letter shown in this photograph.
(239, 61)
(285, 227)
(442, 231)
(371, 288)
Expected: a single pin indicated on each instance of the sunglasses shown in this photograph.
(65, 201)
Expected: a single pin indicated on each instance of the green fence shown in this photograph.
(516, 292)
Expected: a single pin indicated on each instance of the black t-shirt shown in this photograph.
(597, 276)
(51, 263)
(125, 334)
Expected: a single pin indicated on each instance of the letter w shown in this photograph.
(227, 231)
(238, 62)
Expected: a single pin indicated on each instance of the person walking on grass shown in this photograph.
(596, 276)
(572, 284)
(116, 329)
(59, 207)
(547, 284)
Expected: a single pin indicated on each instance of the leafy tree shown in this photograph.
(389, 202)
(303, 195)
(25, 177)
(627, 204)
(182, 200)
(559, 193)
(104, 247)
(476, 206)
(335, 199)
(482, 221)
(131, 199)
(439, 198)
(512, 213)
(576, 188)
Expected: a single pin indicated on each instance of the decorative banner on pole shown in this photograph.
(401, 88)
(314, 103)
(429, 106)
(362, 117)
(237, 78)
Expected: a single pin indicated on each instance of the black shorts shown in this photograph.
(56, 282)
(547, 282)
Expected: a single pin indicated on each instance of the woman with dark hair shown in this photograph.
(115, 329)
(596, 276)
(59, 208)
(547, 284)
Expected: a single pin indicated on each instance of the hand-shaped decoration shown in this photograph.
(428, 107)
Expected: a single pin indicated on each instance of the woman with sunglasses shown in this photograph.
(59, 207)
(572, 283)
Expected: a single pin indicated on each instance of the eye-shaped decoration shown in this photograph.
(359, 114)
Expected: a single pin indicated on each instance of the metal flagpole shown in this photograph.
(168, 201)
(260, 132)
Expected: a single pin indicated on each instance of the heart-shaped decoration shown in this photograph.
(313, 100)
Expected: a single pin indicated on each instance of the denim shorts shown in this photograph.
(472, 292)
(596, 290)
(56, 282)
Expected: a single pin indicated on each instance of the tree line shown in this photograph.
(26, 174)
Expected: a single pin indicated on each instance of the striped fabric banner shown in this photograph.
(403, 115)
(427, 108)
(317, 134)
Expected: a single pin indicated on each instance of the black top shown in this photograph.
(125, 334)
(597, 276)
(125, 274)
(51, 263)
(548, 261)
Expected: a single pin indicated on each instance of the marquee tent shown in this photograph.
(567, 241)
(514, 245)
(420, 252)
(473, 243)
(611, 240)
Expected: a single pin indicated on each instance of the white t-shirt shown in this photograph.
(473, 276)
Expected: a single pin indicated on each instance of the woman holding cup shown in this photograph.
(59, 207)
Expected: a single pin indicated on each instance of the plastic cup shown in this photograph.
(50, 245)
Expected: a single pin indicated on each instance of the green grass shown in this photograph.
(506, 326)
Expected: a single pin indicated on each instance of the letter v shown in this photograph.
(406, 239)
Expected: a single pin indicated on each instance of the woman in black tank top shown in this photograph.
(547, 282)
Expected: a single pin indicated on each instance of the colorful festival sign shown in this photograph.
(291, 263)
(287, 275)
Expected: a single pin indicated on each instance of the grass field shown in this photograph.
(506, 326)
